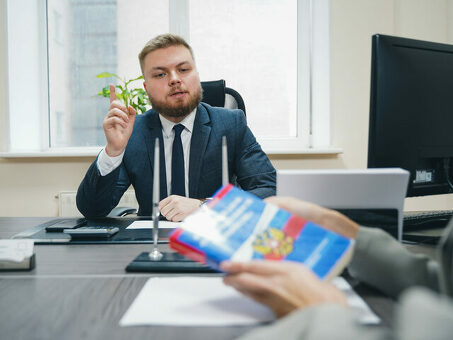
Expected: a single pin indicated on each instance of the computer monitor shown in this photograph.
(411, 111)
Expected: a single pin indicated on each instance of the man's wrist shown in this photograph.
(107, 164)
(204, 200)
(112, 153)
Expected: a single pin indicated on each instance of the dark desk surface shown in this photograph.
(82, 291)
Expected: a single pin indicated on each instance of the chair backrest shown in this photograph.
(445, 257)
(215, 93)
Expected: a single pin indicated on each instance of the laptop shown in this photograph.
(371, 197)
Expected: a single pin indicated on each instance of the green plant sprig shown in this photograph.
(135, 97)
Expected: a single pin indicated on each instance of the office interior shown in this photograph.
(29, 185)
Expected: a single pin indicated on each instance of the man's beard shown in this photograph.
(177, 110)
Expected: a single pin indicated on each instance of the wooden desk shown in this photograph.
(82, 291)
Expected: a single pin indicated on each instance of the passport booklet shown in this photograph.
(238, 226)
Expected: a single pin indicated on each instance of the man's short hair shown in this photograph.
(162, 41)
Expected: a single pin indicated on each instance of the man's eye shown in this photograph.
(158, 75)
(184, 70)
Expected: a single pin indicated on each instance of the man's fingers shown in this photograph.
(178, 217)
(169, 213)
(167, 200)
(117, 104)
(249, 284)
(112, 93)
(132, 111)
(260, 267)
(307, 210)
(327, 218)
(112, 121)
(118, 113)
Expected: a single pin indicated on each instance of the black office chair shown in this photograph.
(215, 93)
(445, 257)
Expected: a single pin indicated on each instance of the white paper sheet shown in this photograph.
(359, 307)
(193, 301)
(206, 301)
(149, 225)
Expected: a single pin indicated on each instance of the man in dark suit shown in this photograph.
(190, 134)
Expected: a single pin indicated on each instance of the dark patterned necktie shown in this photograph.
(178, 183)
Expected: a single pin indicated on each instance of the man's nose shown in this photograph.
(174, 78)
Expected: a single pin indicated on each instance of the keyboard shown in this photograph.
(426, 219)
(426, 227)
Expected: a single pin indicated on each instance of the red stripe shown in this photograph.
(174, 235)
(226, 189)
(185, 249)
(294, 226)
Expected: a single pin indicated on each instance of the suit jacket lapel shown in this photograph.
(199, 141)
(155, 129)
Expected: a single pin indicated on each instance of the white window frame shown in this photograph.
(27, 75)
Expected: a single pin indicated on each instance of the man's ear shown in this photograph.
(144, 85)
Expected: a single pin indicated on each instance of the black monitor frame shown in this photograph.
(411, 111)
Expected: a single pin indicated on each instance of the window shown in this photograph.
(99, 36)
(275, 53)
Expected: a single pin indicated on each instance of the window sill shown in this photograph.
(56, 152)
(305, 151)
(94, 151)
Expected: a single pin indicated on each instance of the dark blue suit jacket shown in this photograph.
(248, 165)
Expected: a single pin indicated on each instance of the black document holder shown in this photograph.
(170, 263)
(40, 236)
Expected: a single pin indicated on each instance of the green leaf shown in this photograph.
(107, 75)
(131, 80)
(135, 97)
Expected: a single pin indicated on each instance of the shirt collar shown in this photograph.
(167, 125)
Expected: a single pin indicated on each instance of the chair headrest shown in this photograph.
(214, 92)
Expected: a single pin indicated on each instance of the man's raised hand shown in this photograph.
(118, 125)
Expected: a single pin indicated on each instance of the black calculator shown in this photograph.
(92, 232)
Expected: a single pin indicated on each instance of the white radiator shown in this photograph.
(67, 203)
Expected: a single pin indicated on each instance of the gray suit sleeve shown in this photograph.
(423, 314)
(384, 263)
(327, 321)
(379, 260)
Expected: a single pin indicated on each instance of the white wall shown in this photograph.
(33, 183)
(3, 79)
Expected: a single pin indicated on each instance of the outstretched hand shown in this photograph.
(284, 286)
(118, 125)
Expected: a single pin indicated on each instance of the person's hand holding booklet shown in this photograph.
(237, 226)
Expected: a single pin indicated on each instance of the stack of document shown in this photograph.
(17, 254)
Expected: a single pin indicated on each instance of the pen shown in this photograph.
(156, 255)
(225, 180)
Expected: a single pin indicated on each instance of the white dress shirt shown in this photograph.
(107, 164)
